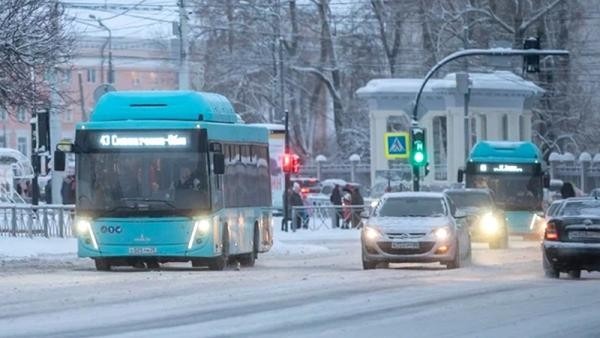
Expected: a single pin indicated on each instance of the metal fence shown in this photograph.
(316, 217)
(25, 220)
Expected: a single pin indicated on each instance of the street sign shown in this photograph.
(396, 145)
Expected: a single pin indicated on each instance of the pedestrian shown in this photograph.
(346, 209)
(336, 201)
(67, 190)
(48, 192)
(357, 203)
(567, 190)
(296, 201)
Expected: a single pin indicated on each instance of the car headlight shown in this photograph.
(201, 228)
(83, 228)
(372, 234)
(490, 224)
(442, 234)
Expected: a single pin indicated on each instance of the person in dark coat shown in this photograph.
(296, 201)
(357, 200)
(567, 190)
(67, 190)
(336, 201)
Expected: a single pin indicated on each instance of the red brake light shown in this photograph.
(551, 234)
(304, 190)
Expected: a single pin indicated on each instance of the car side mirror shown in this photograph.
(218, 163)
(460, 214)
(59, 160)
(460, 176)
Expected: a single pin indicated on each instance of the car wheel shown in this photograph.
(455, 262)
(153, 265)
(499, 243)
(549, 270)
(575, 274)
(249, 260)
(367, 264)
(102, 264)
(219, 263)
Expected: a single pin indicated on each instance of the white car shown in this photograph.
(420, 227)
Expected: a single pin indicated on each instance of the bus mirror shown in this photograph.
(461, 174)
(218, 163)
(546, 179)
(203, 141)
(59, 160)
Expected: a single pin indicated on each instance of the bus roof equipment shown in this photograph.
(164, 105)
(505, 151)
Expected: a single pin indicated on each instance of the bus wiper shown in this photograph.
(150, 200)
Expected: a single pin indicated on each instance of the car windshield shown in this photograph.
(478, 200)
(143, 182)
(511, 192)
(581, 208)
(412, 207)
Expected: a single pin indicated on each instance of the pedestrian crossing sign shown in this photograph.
(396, 145)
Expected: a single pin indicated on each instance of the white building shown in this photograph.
(499, 108)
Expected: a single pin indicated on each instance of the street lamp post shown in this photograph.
(110, 67)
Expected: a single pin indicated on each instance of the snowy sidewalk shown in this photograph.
(23, 247)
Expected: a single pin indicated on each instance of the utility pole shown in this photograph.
(184, 72)
(81, 101)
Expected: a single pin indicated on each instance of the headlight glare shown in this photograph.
(83, 227)
(490, 224)
(203, 226)
(442, 233)
(372, 234)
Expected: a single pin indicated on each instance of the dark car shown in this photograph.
(572, 238)
(486, 221)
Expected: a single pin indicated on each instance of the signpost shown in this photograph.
(397, 145)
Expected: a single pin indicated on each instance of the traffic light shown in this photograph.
(418, 151)
(531, 63)
(290, 163)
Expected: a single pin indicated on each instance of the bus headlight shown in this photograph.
(490, 224)
(442, 234)
(201, 228)
(83, 228)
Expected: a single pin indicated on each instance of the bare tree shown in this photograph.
(32, 43)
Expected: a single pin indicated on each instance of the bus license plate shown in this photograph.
(584, 234)
(142, 251)
(405, 245)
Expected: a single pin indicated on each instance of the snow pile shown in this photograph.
(290, 249)
(23, 247)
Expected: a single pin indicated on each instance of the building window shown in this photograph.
(505, 127)
(3, 114)
(22, 145)
(91, 75)
(440, 148)
(21, 115)
(521, 128)
(483, 120)
(68, 115)
(3, 141)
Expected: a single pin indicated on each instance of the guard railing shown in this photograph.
(315, 217)
(26, 220)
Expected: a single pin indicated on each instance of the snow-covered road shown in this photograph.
(311, 284)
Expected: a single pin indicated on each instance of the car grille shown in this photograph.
(423, 248)
(405, 235)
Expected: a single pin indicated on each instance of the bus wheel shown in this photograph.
(102, 264)
(250, 259)
(219, 263)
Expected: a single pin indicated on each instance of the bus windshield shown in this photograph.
(136, 183)
(511, 192)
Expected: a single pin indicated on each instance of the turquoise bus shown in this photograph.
(513, 172)
(170, 176)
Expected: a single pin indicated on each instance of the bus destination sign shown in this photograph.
(504, 168)
(171, 140)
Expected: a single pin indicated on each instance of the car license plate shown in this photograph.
(405, 245)
(142, 251)
(584, 234)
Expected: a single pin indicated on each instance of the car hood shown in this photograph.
(408, 224)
